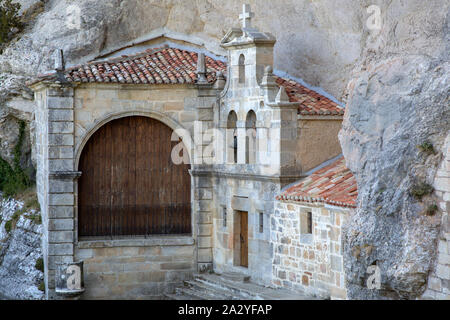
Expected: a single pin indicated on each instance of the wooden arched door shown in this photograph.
(129, 185)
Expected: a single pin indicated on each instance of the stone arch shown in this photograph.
(130, 185)
(170, 122)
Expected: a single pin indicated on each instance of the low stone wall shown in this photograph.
(135, 269)
(312, 262)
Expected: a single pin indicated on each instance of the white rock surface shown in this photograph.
(19, 250)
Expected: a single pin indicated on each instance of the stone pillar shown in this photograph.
(203, 195)
(56, 179)
(202, 188)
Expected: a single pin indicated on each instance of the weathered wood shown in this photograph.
(129, 185)
(244, 238)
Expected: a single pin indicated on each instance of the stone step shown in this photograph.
(217, 287)
(211, 290)
(199, 295)
(234, 287)
(250, 290)
(235, 276)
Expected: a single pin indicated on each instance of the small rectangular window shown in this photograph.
(309, 223)
(261, 222)
(224, 210)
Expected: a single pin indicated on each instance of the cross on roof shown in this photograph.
(246, 16)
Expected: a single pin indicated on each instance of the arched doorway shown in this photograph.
(129, 185)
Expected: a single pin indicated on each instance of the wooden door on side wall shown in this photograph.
(129, 185)
(244, 238)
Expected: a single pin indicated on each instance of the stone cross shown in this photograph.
(246, 16)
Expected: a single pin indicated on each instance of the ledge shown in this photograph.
(140, 242)
(65, 175)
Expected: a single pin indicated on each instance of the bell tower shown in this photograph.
(250, 51)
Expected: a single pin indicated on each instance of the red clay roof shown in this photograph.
(333, 184)
(311, 102)
(155, 66)
(167, 65)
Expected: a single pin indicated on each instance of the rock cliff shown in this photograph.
(396, 122)
(20, 248)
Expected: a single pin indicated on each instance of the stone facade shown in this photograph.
(439, 279)
(67, 117)
(69, 113)
(311, 262)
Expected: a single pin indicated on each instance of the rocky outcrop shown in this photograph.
(398, 105)
(20, 248)
(307, 42)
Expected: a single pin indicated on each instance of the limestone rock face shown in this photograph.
(19, 250)
(398, 98)
(318, 41)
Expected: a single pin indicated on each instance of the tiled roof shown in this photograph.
(311, 102)
(333, 184)
(167, 65)
(155, 66)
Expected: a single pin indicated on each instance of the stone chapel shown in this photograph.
(163, 159)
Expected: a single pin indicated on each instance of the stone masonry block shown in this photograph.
(60, 237)
(64, 249)
(60, 92)
(205, 230)
(176, 266)
(60, 186)
(204, 242)
(60, 224)
(60, 115)
(61, 127)
(60, 165)
(443, 271)
(204, 217)
(60, 152)
(204, 255)
(60, 212)
(204, 205)
(60, 140)
(60, 102)
(61, 199)
(336, 263)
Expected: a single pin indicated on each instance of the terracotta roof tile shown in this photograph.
(311, 102)
(167, 65)
(333, 184)
(158, 66)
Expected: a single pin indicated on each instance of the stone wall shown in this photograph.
(317, 140)
(253, 197)
(309, 262)
(439, 278)
(135, 269)
(66, 117)
(96, 104)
